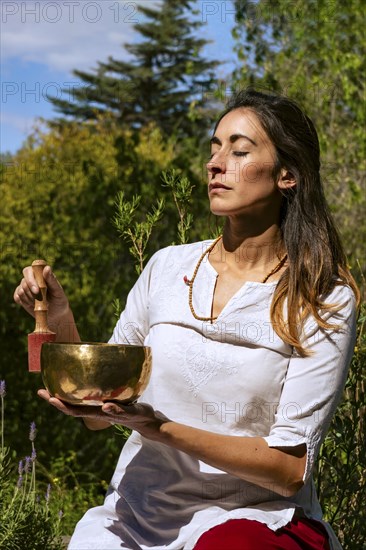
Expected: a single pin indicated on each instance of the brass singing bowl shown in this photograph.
(89, 373)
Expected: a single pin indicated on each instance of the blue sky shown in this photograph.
(43, 41)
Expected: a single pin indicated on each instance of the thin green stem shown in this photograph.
(2, 425)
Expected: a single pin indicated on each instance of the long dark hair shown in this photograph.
(316, 259)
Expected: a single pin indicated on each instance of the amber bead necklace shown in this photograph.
(190, 282)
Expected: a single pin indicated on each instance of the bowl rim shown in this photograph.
(98, 344)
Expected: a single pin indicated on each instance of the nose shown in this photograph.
(216, 165)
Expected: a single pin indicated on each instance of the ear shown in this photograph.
(286, 179)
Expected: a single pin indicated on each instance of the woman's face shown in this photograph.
(241, 166)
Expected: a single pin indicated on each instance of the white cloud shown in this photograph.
(43, 41)
(18, 122)
(65, 35)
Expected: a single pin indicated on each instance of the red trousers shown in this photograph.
(245, 534)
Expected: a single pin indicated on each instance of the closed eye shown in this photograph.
(240, 153)
(236, 153)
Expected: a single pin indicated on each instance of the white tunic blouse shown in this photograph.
(234, 376)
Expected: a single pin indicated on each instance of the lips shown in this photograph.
(217, 186)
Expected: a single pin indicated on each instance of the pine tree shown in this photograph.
(166, 81)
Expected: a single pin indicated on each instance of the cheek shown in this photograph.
(256, 172)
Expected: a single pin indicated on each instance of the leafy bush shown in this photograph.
(73, 488)
(341, 472)
(26, 520)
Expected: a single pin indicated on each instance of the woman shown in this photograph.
(252, 335)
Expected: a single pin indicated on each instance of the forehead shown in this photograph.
(242, 121)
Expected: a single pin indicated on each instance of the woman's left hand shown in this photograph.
(137, 416)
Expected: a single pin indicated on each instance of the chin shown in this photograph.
(219, 213)
(218, 210)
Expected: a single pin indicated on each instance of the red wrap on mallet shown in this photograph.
(41, 332)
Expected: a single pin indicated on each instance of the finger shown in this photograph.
(119, 410)
(16, 296)
(50, 278)
(52, 282)
(30, 278)
(58, 404)
(27, 291)
(22, 299)
(111, 408)
(71, 410)
(78, 411)
(44, 394)
(62, 407)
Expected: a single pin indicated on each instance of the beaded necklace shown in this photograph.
(190, 282)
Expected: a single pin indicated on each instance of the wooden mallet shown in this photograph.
(41, 332)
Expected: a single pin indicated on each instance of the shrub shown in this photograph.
(26, 520)
(341, 472)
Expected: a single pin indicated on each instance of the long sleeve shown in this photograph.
(313, 385)
(133, 324)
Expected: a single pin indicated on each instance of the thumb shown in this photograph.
(51, 280)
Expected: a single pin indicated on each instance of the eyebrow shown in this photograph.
(232, 138)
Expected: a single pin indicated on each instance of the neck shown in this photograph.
(248, 245)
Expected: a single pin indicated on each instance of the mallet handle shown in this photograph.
(40, 306)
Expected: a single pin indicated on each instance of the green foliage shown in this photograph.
(58, 199)
(138, 233)
(52, 192)
(341, 471)
(181, 190)
(312, 51)
(74, 488)
(26, 520)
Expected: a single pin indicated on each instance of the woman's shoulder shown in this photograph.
(174, 257)
(339, 307)
(340, 296)
(183, 251)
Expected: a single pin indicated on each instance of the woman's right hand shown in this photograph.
(94, 418)
(28, 290)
